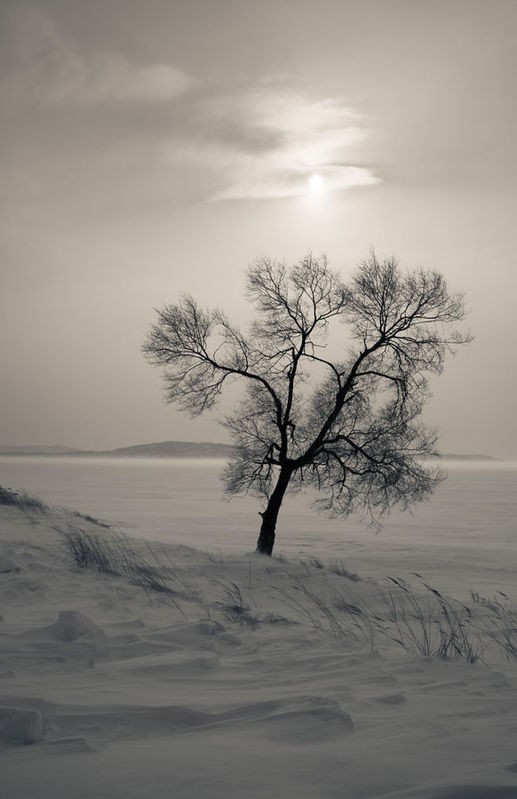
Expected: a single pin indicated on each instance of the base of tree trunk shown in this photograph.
(265, 544)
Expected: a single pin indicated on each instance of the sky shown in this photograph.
(154, 149)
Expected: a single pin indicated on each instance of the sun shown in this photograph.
(316, 186)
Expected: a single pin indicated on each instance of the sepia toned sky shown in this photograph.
(150, 149)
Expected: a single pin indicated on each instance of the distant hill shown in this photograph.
(173, 449)
(161, 449)
(50, 449)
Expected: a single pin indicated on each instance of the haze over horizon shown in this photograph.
(155, 149)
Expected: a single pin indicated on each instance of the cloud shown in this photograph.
(159, 132)
(105, 77)
(267, 142)
(47, 67)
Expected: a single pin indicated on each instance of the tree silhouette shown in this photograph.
(350, 427)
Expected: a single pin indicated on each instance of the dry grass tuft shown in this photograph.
(422, 620)
(22, 500)
(429, 623)
(114, 554)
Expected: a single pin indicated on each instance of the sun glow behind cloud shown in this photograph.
(154, 126)
(316, 186)
(267, 143)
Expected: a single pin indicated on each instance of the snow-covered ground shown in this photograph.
(464, 538)
(243, 677)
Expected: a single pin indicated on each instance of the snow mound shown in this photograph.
(20, 725)
(64, 746)
(8, 565)
(197, 635)
(312, 721)
(110, 723)
(71, 625)
(174, 665)
(308, 719)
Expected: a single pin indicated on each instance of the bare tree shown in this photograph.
(357, 436)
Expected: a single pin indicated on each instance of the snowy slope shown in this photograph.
(242, 677)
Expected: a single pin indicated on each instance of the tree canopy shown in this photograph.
(351, 426)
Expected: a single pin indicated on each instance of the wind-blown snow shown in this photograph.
(247, 677)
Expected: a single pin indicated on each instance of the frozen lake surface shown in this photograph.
(464, 538)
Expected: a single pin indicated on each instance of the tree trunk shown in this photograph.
(266, 539)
